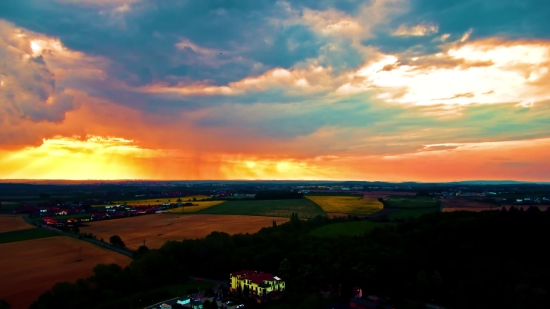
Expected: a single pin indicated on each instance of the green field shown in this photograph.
(411, 202)
(273, 208)
(20, 235)
(412, 213)
(347, 228)
(8, 207)
(197, 206)
(348, 204)
(411, 206)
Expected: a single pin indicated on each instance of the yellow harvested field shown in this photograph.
(13, 223)
(158, 201)
(34, 266)
(347, 204)
(158, 228)
(192, 209)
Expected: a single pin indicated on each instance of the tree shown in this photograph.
(194, 199)
(423, 193)
(274, 223)
(142, 250)
(437, 281)
(214, 304)
(239, 290)
(296, 222)
(4, 304)
(117, 241)
(246, 291)
(284, 269)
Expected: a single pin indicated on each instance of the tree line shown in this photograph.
(278, 195)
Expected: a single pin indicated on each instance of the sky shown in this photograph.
(389, 90)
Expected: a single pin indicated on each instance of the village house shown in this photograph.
(260, 285)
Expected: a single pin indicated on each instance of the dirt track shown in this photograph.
(29, 268)
(159, 228)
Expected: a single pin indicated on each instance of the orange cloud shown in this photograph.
(308, 79)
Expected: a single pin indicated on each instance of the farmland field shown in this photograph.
(347, 228)
(157, 201)
(332, 193)
(13, 223)
(393, 193)
(32, 233)
(493, 208)
(466, 203)
(450, 205)
(8, 207)
(411, 202)
(34, 266)
(192, 209)
(158, 228)
(347, 204)
(412, 213)
(76, 216)
(305, 208)
(411, 207)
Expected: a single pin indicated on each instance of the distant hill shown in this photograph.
(491, 182)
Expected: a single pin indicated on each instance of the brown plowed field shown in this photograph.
(29, 268)
(456, 203)
(450, 205)
(474, 209)
(525, 207)
(386, 193)
(373, 197)
(158, 228)
(13, 223)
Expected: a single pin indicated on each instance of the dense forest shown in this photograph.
(495, 259)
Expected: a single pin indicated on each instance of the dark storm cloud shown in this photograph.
(141, 41)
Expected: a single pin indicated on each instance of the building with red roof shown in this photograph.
(99, 216)
(50, 221)
(260, 285)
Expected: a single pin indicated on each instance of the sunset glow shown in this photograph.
(375, 90)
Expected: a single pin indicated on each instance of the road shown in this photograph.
(90, 240)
